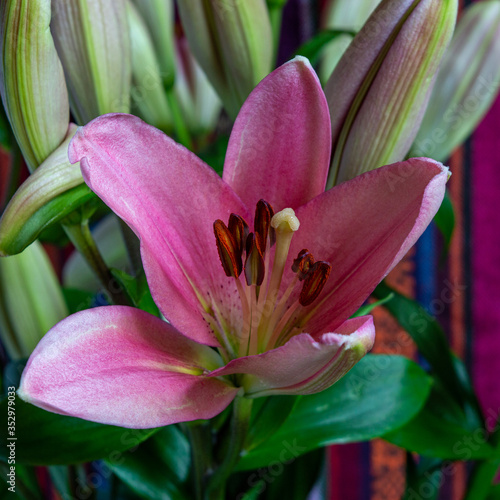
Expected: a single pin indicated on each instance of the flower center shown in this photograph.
(270, 318)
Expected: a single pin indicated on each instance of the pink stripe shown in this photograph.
(486, 258)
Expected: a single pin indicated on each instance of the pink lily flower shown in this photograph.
(273, 298)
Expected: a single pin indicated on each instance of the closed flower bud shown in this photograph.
(466, 85)
(92, 40)
(345, 15)
(378, 92)
(31, 301)
(159, 18)
(31, 79)
(53, 191)
(149, 100)
(232, 41)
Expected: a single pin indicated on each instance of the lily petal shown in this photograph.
(280, 145)
(305, 365)
(363, 228)
(170, 198)
(121, 366)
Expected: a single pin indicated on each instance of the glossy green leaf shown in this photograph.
(435, 433)
(268, 415)
(381, 393)
(156, 469)
(430, 338)
(312, 48)
(44, 438)
(445, 222)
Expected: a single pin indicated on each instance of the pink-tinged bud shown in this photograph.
(31, 79)
(345, 15)
(378, 92)
(232, 41)
(92, 40)
(467, 83)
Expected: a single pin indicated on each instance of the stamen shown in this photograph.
(254, 262)
(229, 254)
(262, 224)
(315, 282)
(239, 229)
(303, 264)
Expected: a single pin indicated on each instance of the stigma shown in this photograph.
(271, 316)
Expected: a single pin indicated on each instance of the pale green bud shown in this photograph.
(232, 41)
(149, 100)
(31, 301)
(378, 91)
(53, 191)
(159, 18)
(92, 40)
(467, 83)
(197, 98)
(31, 79)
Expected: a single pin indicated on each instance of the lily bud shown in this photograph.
(53, 191)
(31, 79)
(198, 100)
(378, 91)
(159, 18)
(467, 83)
(148, 95)
(31, 301)
(232, 41)
(346, 15)
(92, 40)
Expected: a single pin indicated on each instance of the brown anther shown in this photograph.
(239, 229)
(303, 264)
(254, 262)
(229, 254)
(315, 282)
(262, 225)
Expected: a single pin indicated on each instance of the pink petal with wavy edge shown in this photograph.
(170, 198)
(121, 366)
(304, 365)
(280, 145)
(363, 228)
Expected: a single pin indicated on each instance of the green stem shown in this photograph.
(179, 123)
(242, 409)
(132, 244)
(81, 237)
(201, 455)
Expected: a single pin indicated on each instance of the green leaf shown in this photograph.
(268, 415)
(436, 433)
(445, 222)
(313, 47)
(156, 469)
(44, 438)
(137, 290)
(368, 308)
(431, 342)
(380, 394)
(77, 300)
